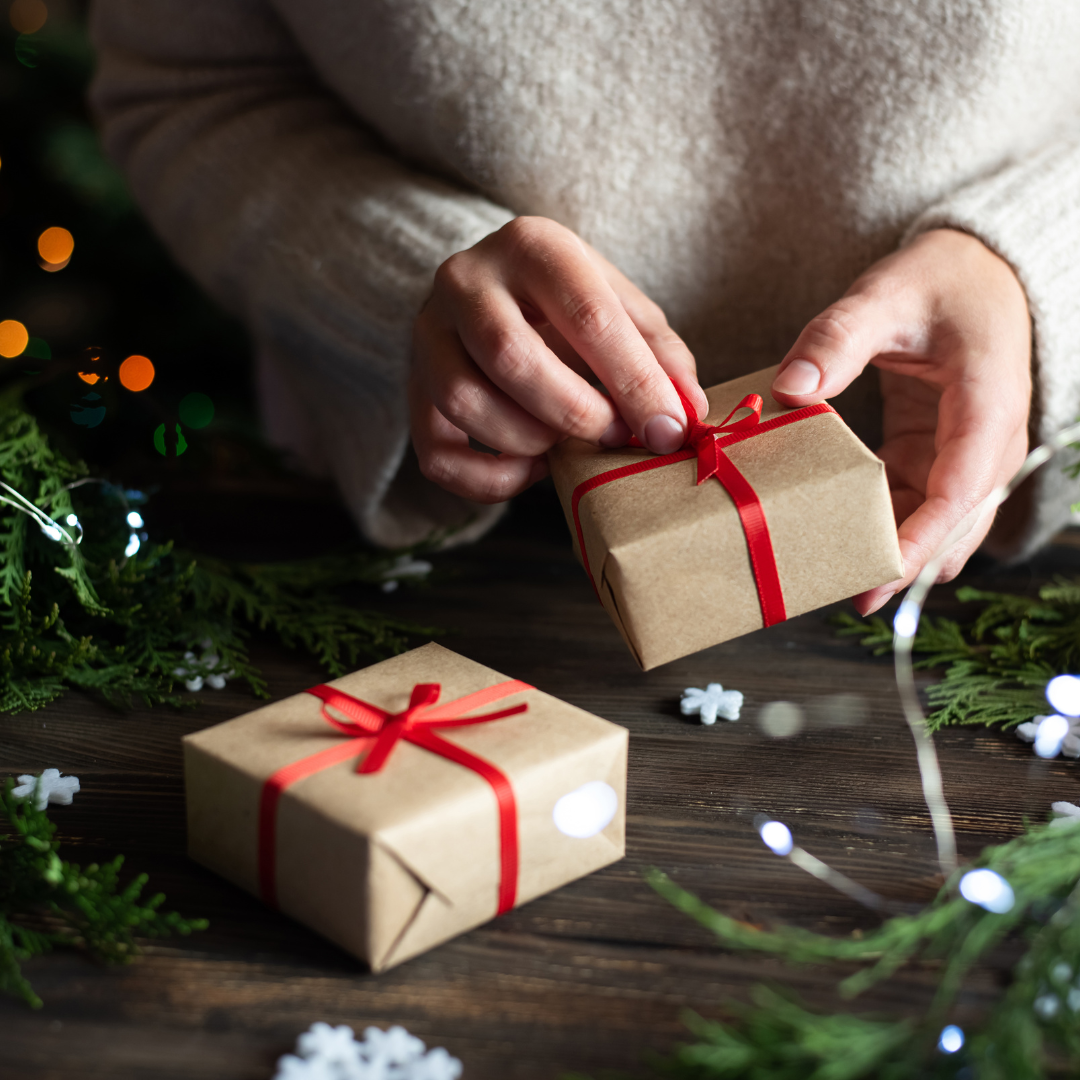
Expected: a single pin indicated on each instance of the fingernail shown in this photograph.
(881, 603)
(798, 378)
(663, 434)
(617, 433)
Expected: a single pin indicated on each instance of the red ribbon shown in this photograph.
(707, 443)
(381, 730)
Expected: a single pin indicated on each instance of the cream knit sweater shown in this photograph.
(312, 162)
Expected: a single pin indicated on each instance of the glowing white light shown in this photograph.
(586, 810)
(72, 520)
(987, 889)
(907, 620)
(1047, 1006)
(134, 519)
(132, 546)
(52, 532)
(952, 1038)
(1049, 736)
(777, 836)
(1063, 692)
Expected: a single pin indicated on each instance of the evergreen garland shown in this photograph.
(83, 615)
(1032, 1032)
(47, 903)
(997, 664)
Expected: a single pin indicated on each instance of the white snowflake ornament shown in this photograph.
(336, 1046)
(333, 1053)
(711, 702)
(203, 669)
(51, 788)
(1066, 813)
(1068, 745)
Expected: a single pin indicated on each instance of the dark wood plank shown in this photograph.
(594, 974)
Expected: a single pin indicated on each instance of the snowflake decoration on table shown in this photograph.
(51, 788)
(1067, 813)
(402, 567)
(1068, 744)
(711, 702)
(333, 1053)
(203, 669)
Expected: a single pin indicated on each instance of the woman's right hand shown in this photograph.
(504, 348)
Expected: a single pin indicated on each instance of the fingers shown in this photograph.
(508, 346)
(670, 350)
(447, 459)
(834, 348)
(551, 270)
(466, 397)
(982, 428)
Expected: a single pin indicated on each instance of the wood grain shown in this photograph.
(596, 974)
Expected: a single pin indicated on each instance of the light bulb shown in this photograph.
(952, 1038)
(777, 836)
(132, 546)
(586, 810)
(1049, 736)
(907, 620)
(1063, 692)
(134, 519)
(988, 889)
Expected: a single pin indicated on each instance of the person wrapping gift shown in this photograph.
(521, 224)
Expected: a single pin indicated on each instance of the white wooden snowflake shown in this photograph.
(1067, 813)
(51, 788)
(333, 1053)
(711, 702)
(205, 668)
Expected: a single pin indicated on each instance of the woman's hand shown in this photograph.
(946, 321)
(504, 349)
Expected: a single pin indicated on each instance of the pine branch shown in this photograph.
(777, 1038)
(130, 624)
(997, 664)
(87, 905)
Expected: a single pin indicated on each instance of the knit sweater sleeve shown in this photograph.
(1029, 213)
(297, 218)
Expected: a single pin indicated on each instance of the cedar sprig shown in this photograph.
(47, 903)
(86, 616)
(777, 1038)
(997, 664)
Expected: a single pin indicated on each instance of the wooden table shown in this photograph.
(594, 975)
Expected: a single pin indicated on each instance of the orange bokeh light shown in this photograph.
(90, 377)
(136, 373)
(13, 338)
(28, 16)
(55, 245)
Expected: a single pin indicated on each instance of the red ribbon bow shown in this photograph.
(706, 442)
(381, 730)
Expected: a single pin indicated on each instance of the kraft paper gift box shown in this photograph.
(464, 816)
(771, 513)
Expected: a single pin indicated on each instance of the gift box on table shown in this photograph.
(408, 802)
(766, 513)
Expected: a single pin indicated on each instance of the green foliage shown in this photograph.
(47, 903)
(776, 1038)
(997, 664)
(85, 616)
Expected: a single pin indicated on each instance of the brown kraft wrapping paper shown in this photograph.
(389, 864)
(669, 557)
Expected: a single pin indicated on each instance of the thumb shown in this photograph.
(832, 350)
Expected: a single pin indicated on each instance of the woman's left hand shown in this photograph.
(946, 321)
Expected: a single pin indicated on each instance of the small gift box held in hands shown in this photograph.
(408, 802)
(766, 513)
